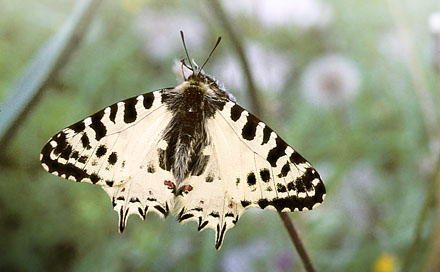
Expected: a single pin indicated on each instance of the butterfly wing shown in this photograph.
(250, 166)
(117, 148)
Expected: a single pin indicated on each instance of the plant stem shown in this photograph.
(251, 88)
(297, 241)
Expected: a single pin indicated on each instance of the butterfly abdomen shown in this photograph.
(186, 134)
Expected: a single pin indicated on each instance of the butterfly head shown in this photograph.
(194, 74)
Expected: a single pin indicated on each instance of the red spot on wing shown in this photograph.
(169, 184)
(187, 188)
(123, 190)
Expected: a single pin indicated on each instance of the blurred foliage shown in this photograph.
(373, 150)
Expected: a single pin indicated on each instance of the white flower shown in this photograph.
(301, 13)
(269, 69)
(390, 46)
(158, 30)
(330, 81)
(434, 22)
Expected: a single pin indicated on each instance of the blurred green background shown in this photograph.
(351, 85)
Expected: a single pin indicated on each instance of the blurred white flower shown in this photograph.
(330, 81)
(390, 46)
(434, 27)
(434, 22)
(269, 69)
(305, 14)
(159, 29)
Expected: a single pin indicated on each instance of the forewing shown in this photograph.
(117, 148)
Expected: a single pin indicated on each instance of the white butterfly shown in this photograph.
(189, 151)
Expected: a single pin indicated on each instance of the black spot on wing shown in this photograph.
(297, 158)
(293, 201)
(67, 169)
(202, 225)
(248, 131)
(113, 111)
(281, 188)
(148, 100)
(113, 158)
(263, 203)
(130, 110)
(236, 111)
(265, 175)
(245, 203)
(309, 175)
(209, 178)
(122, 219)
(78, 127)
(141, 212)
(185, 217)
(65, 154)
(150, 168)
(163, 163)
(220, 236)
(161, 210)
(134, 200)
(229, 214)
(266, 134)
(251, 180)
(85, 141)
(109, 183)
(276, 152)
(299, 185)
(83, 159)
(61, 141)
(75, 155)
(98, 126)
(94, 178)
(284, 170)
(237, 181)
(102, 149)
(214, 214)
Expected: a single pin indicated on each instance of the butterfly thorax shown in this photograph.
(192, 103)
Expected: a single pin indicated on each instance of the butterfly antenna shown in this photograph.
(186, 50)
(210, 54)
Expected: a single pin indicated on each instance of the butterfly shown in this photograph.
(190, 151)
